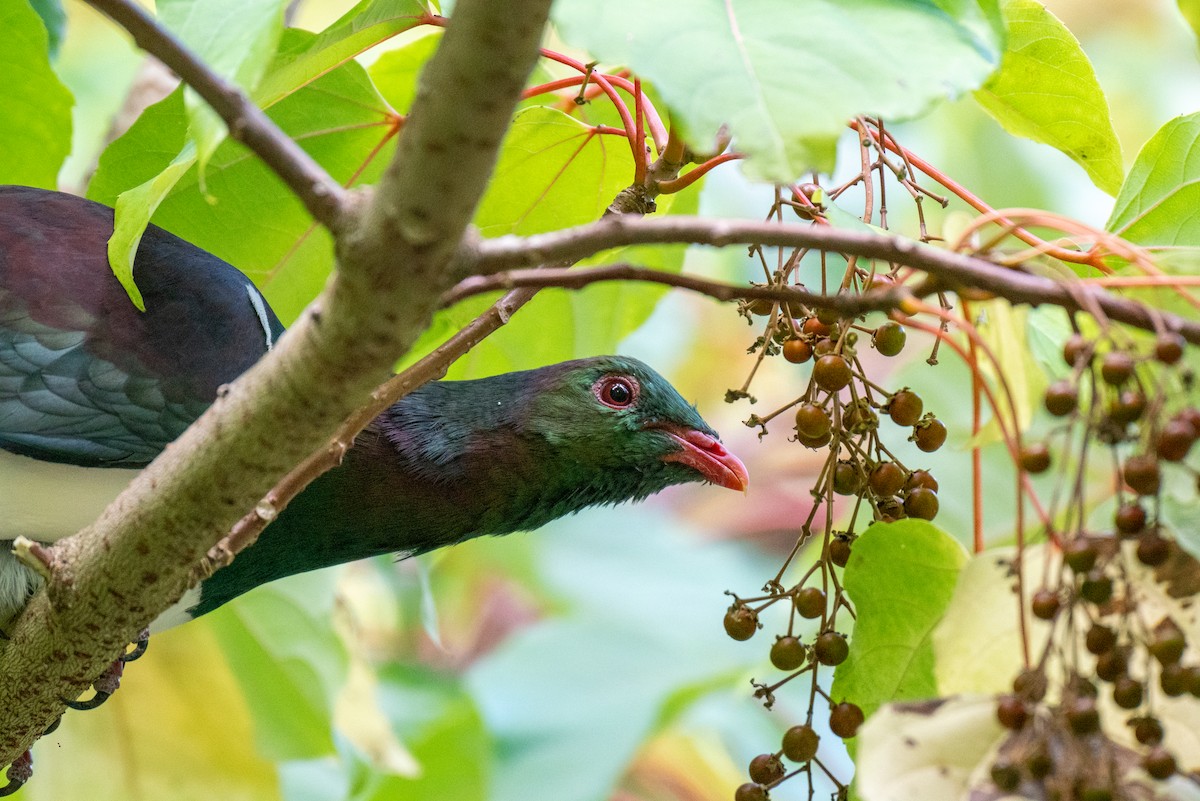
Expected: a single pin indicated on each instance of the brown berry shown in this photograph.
(1080, 554)
(889, 338)
(1168, 643)
(1174, 680)
(1174, 440)
(905, 408)
(1005, 775)
(844, 719)
(814, 443)
(1159, 763)
(1031, 684)
(887, 478)
(1191, 416)
(788, 653)
(823, 347)
(1012, 712)
(1147, 731)
(751, 792)
(831, 648)
(1100, 639)
(741, 622)
(832, 372)
(1168, 347)
(921, 478)
(797, 351)
(812, 420)
(839, 551)
(1130, 519)
(847, 480)
(1045, 604)
(1128, 406)
(810, 602)
(1116, 368)
(929, 434)
(1141, 474)
(1127, 693)
(815, 327)
(1096, 589)
(1152, 550)
(766, 769)
(800, 743)
(1035, 457)
(1076, 350)
(1112, 665)
(1061, 398)
(1082, 715)
(921, 503)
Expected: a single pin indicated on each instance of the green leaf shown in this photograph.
(1047, 91)
(395, 73)
(149, 146)
(1157, 204)
(367, 24)
(785, 76)
(291, 664)
(891, 652)
(55, 20)
(35, 126)
(236, 39)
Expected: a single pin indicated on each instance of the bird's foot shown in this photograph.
(105, 686)
(19, 772)
(110, 679)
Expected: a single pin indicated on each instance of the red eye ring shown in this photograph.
(617, 391)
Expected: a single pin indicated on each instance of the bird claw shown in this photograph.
(53, 727)
(139, 647)
(105, 686)
(19, 772)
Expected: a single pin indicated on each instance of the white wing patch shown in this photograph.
(260, 309)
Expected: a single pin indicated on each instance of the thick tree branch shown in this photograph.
(324, 197)
(395, 256)
(952, 270)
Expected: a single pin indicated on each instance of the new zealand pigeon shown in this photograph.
(91, 390)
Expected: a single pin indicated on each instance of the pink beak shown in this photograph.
(708, 457)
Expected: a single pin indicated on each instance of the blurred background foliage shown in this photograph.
(584, 662)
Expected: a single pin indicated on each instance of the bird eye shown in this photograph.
(618, 392)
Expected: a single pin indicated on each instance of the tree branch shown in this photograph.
(953, 270)
(324, 197)
(395, 259)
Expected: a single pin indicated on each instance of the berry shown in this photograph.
(800, 743)
(1100, 639)
(1035, 458)
(1127, 692)
(812, 421)
(832, 372)
(741, 622)
(824, 346)
(1191, 416)
(1061, 398)
(828, 316)
(1012, 712)
(1128, 406)
(1112, 665)
(814, 442)
(810, 602)
(929, 434)
(844, 719)
(1141, 474)
(890, 509)
(1006, 776)
(921, 503)
(1152, 550)
(1031, 684)
(921, 478)
(889, 338)
(905, 408)
(1082, 715)
(1045, 604)
(766, 769)
(839, 551)
(788, 653)
(846, 479)
(816, 327)
(751, 792)
(831, 648)
(1080, 554)
(1168, 643)
(1168, 348)
(1096, 589)
(1175, 440)
(886, 479)
(1076, 350)
(1147, 731)
(859, 418)
(1116, 368)
(1159, 763)
(1130, 519)
(797, 351)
